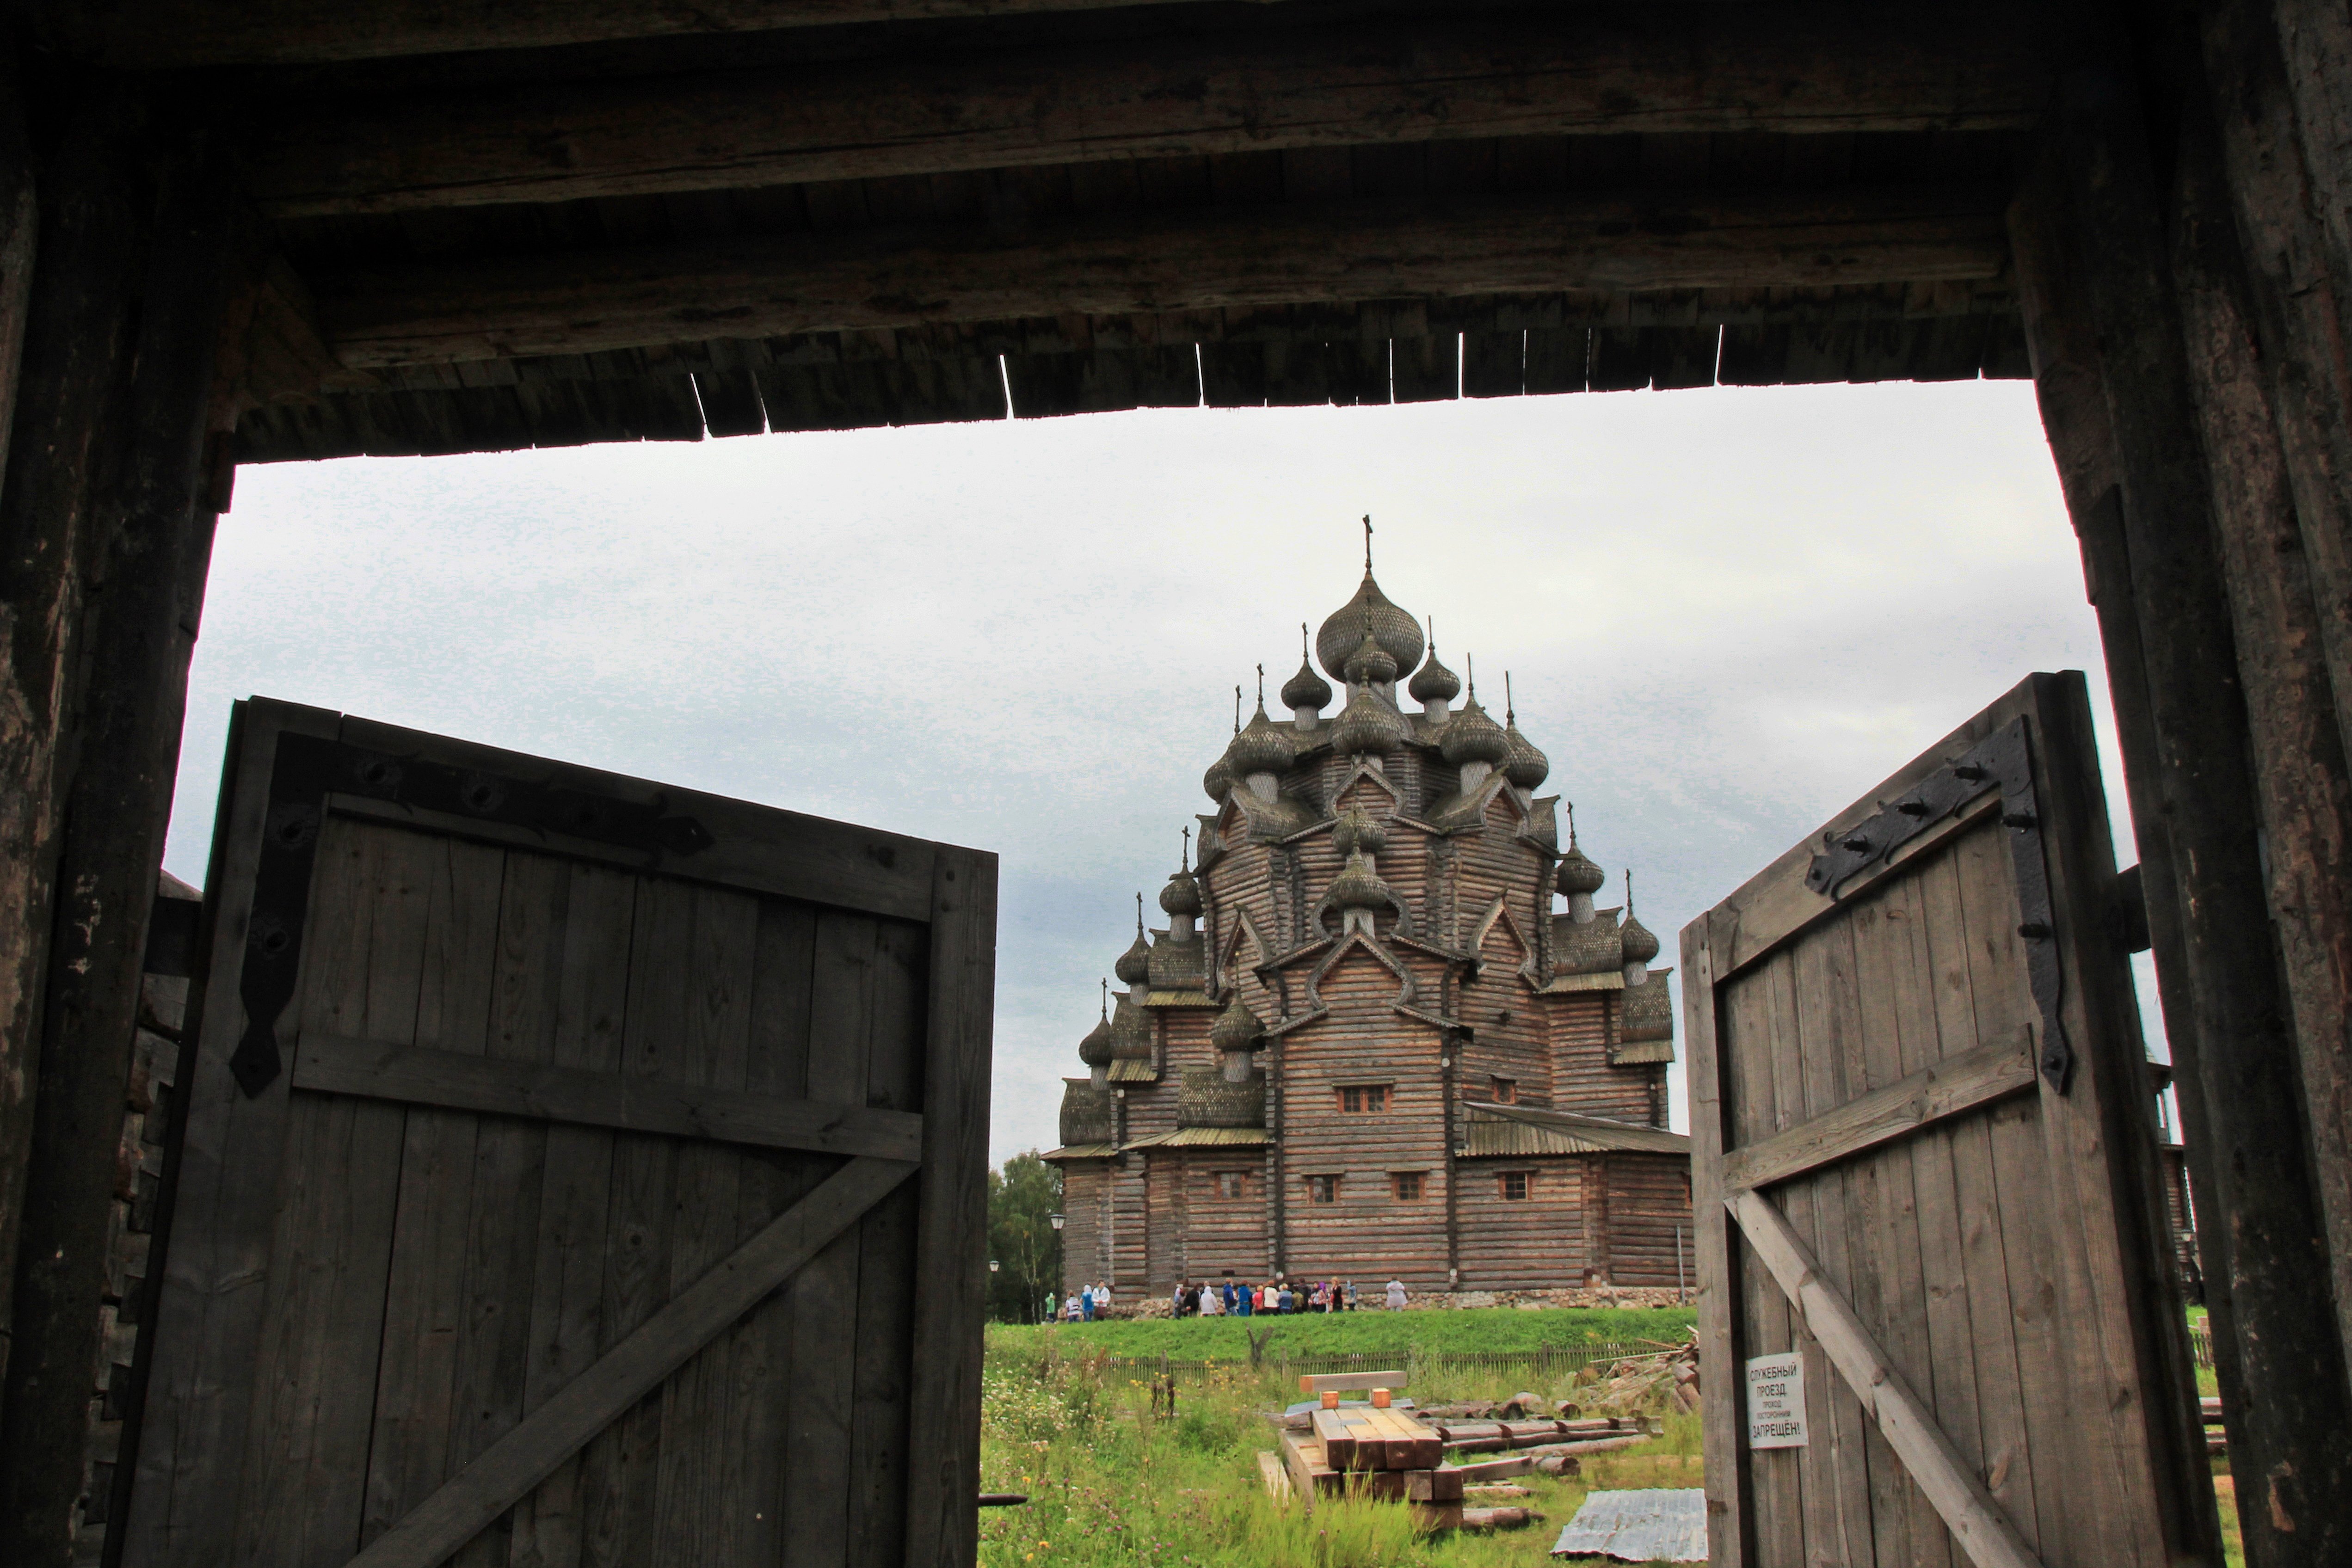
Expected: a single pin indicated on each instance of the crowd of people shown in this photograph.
(1228, 1299)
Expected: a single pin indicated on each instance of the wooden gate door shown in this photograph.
(1925, 1162)
(573, 1171)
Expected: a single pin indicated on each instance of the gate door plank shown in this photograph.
(591, 1190)
(1901, 1109)
(520, 1460)
(1983, 1531)
(418, 1075)
(1918, 1079)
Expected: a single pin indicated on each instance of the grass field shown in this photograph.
(1483, 1331)
(1111, 1484)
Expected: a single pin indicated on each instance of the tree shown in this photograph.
(1027, 1250)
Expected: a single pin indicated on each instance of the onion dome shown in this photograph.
(1358, 886)
(1218, 781)
(1260, 748)
(1579, 873)
(1366, 723)
(1095, 1050)
(1134, 966)
(1236, 1029)
(1182, 895)
(1471, 736)
(1370, 662)
(1356, 831)
(1433, 682)
(1523, 765)
(1306, 689)
(1635, 941)
(1398, 633)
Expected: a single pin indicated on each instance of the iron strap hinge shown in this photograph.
(2003, 763)
(309, 768)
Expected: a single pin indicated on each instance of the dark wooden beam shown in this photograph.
(76, 353)
(1807, 67)
(2111, 368)
(449, 312)
(152, 541)
(167, 34)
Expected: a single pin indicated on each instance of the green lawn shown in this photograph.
(1111, 1485)
(1484, 1330)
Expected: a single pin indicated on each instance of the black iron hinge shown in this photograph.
(307, 767)
(2003, 763)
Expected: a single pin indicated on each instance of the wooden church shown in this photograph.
(1367, 1046)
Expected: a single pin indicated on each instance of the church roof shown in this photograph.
(1395, 630)
(1563, 1132)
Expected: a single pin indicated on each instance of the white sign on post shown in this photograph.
(1776, 1401)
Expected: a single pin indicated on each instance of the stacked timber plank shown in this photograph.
(1460, 1436)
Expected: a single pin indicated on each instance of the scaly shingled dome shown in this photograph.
(1095, 1049)
(1218, 781)
(1471, 736)
(1236, 1029)
(1370, 662)
(1395, 630)
(1260, 748)
(1358, 886)
(1356, 831)
(1366, 723)
(1635, 942)
(1523, 765)
(1433, 682)
(1134, 966)
(1182, 895)
(1306, 689)
(1579, 873)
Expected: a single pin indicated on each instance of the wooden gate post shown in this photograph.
(76, 354)
(2268, 244)
(152, 526)
(2110, 369)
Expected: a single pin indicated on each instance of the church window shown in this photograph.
(1322, 1189)
(1364, 1099)
(1504, 1091)
(1407, 1184)
(1228, 1184)
(1515, 1186)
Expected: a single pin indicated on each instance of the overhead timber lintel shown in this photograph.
(1678, 68)
(442, 313)
(162, 34)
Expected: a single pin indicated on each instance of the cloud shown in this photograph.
(1725, 614)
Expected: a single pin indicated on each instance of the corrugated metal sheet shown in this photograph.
(1641, 1050)
(1667, 1525)
(1603, 1131)
(1132, 1071)
(1082, 1152)
(1608, 980)
(1204, 1138)
(1176, 1000)
(1481, 1139)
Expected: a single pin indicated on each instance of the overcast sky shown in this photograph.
(1726, 612)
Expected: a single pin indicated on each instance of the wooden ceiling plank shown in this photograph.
(792, 285)
(1672, 68)
(166, 34)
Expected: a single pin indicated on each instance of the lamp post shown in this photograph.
(1054, 1220)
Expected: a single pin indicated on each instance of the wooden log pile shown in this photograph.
(1667, 1376)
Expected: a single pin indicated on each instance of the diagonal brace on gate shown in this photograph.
(500, 1475)
(1967, 1510)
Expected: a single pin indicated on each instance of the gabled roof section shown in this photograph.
(1467, 811)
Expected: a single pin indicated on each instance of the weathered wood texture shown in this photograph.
(581, 303)
(1674, 68)
(77, 337)
(399, 1328)
(2000, 1260)
(2261, 257)
(172, 33)
(152, 520)
(2114, 376)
